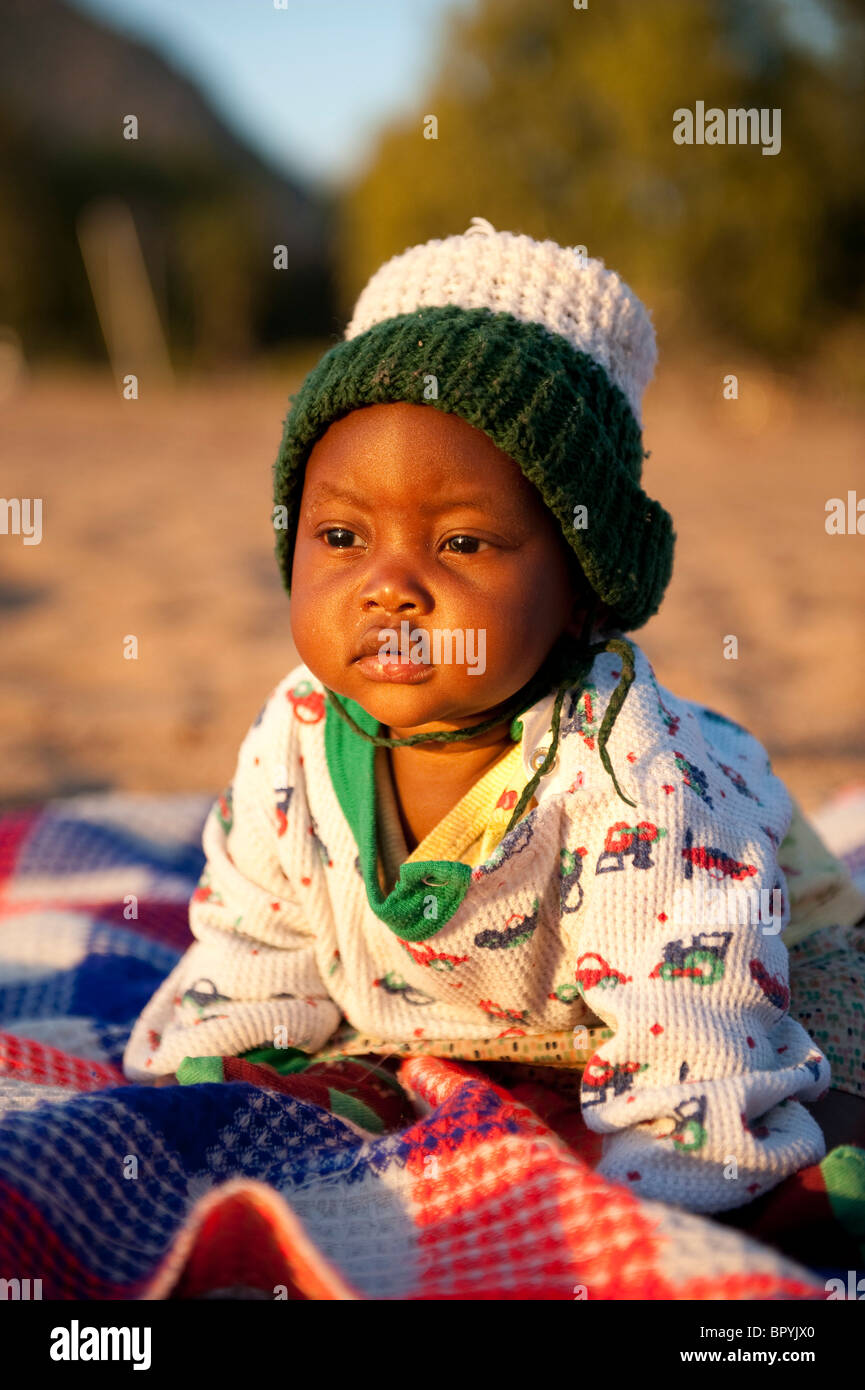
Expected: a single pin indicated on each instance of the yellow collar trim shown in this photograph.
(471, 829)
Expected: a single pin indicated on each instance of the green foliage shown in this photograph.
(559, 123)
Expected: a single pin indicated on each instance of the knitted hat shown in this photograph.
(547, 352)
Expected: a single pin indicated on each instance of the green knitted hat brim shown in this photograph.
(552, 409)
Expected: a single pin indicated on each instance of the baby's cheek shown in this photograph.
(312, 616)
(516, 645)
(317, 650)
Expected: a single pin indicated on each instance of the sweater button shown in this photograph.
(435, 882)
(538, 757)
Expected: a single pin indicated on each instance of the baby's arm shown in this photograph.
(250, 978)
(697, 1091)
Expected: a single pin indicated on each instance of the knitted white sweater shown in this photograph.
(655, 914)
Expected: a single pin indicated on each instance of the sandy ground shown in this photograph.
(156, 524)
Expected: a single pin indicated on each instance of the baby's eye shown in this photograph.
(464, 545)
(339, 538)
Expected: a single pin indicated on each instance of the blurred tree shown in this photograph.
(559, 123)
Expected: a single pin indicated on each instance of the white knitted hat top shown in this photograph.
(535, 281)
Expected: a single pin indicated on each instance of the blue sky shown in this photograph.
(308, 85)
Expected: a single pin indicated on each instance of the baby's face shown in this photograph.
(411, 516)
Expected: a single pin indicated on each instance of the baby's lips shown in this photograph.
(402, 658)
(372, 642)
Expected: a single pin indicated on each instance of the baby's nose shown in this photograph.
(395, 590)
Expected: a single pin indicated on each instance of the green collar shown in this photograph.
(428, 893)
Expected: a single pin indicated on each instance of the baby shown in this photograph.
(472, 822)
